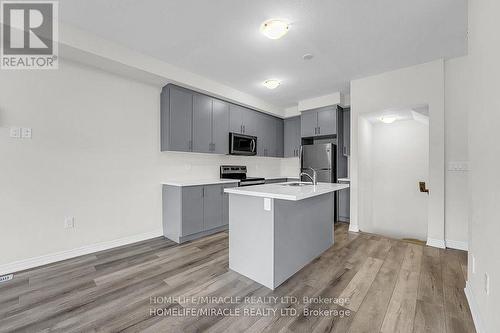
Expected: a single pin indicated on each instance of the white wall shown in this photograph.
(400, 159)
(94, 155)
(457, 104)
(412, 86)
(484, 153)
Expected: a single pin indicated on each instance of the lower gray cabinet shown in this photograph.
(191, 212)
(344, 205)
(212, 206)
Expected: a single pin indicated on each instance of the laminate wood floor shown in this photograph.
(159, 286)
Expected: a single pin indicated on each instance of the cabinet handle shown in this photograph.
(319, 130)
(213, 146)
(202, 191)
(190, 145)
(244, 129)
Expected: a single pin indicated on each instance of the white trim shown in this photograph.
(353, 227)
(474, 309)
(21, 265)
(436, 243)
(459, 245)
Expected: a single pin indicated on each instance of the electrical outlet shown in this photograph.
(6, 278)
(26, 133)
(15, 132)
(486, 283)
(69, 222)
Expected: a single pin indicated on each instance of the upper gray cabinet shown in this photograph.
(202, 124)
(346, 125)
(321, 122)
(210, 125)
(292, 137)
(176, 119)
(194, 122)
(243, 120)
(220, 127)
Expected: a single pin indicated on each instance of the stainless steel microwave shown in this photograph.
(240, 144)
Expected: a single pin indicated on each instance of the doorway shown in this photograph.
(395, 159)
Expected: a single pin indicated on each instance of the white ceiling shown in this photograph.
(220, 39)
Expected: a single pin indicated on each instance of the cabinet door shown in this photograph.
(251, 122)
(308, 124)
(181, 117)
(298, 139)
(344, 204)
(220, 127)
(279, 145)
(347, 133)
(292, 137)
(192, 210)
(327, 121)
(202, 124)
(289, 129)
(212, 206)
(236, 118)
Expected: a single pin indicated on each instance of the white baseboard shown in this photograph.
(436, 243)
(478, 323)
(21, 265)
(353, 228)
(459, 245)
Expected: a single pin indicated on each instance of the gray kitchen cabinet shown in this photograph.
(243, 120)
(220, 127)
(279, 143)
(327, 121)
(190, 212)
(212, 206)
(346, 124)
(194, 122)
(236, 114)
(308, 123)
(292, 139)
(176, 119)
(210, 125)
(321, 122)
(202, 124)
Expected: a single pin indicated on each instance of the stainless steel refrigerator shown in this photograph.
(320, 157)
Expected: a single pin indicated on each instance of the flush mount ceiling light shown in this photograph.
(271, 84)
(388, 119)
(307, 56)
(274, 28)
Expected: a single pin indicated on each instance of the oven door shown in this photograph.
(240, 144)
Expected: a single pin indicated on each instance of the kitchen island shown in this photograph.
(276, 229)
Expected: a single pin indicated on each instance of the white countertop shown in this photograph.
(200, 182)
(293, 193)
(344, 179)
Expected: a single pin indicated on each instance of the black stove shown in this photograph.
(239, 172)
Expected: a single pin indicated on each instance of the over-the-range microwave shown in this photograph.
(240, 144)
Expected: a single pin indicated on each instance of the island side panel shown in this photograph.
(302, 231)
(251, 238)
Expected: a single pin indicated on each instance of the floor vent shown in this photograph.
(6, 278)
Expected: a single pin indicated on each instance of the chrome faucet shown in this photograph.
(313, 178)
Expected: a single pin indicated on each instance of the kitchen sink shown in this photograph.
(297, 184)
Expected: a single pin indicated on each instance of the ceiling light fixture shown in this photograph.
(274, 28)
(271, 84)
(388, 119)
(307, 56)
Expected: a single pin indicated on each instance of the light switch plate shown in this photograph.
(15, 132)
(26, 133)
(69, 222)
